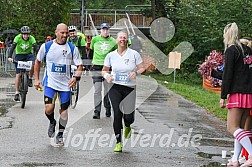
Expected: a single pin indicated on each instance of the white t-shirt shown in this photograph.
(123, 65)
(58, 65)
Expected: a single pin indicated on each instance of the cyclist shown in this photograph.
(100, 46)
(23, 44)
(81, 44)
(57, 80)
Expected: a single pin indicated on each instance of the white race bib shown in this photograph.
(24, 65)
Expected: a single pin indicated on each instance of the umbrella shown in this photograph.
(10, 31)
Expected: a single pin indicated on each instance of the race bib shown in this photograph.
(59, 68)
(122, 77)
(24, 65)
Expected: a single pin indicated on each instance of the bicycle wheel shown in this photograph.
(74, 95)
(23, 88)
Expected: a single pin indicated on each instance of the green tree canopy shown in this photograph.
(41, 16)
(202, 22)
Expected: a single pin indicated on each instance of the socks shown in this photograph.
(118, 138)
(50, 117)
(62, 126)
(237, 150)
(243, 137)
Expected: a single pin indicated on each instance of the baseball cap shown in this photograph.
(104, 25)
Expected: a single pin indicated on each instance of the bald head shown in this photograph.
(61, 33)
(61, 26)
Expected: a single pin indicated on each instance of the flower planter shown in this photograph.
(207, 85)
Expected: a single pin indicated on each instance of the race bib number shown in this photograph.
(24, 65)
(59, 68)
(122, 77)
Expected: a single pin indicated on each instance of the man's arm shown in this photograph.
(13, 46)
(37, 82)
(76, 77)
(79, 71)
(37, 69)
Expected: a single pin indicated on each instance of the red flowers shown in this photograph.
(213, 61)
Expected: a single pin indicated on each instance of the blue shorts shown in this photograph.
(50, 96)
(23, 57)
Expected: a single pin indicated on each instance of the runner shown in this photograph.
(126, 64)
(59, 55)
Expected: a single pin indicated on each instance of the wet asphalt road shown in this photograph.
(168, 131)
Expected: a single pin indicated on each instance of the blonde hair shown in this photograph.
(246, 42)
(231, 36)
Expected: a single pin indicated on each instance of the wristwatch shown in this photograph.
(77, 78)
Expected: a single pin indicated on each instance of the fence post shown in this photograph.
(115, 19)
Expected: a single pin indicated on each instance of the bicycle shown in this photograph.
(74, 90)
(25, 67)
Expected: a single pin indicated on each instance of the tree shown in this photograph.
(202, 22)
(112, 4)
(42, 19)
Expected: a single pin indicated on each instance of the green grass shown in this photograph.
(194, 92)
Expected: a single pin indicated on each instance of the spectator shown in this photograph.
(237, 89)
(100, 46)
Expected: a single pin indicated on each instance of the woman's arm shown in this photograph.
(139, 71)
(106, 75)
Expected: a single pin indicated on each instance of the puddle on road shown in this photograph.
(206, 155)
(175, 112)
(6, 102)
(34, 164)
(214, 164)
(216, 142)
(209, 156)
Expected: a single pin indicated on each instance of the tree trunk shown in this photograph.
(153, 7)
(158, 9)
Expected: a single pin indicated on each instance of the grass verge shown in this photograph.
(193, 92)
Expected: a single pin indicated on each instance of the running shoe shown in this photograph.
(17, 97)
(59, 140)
(96, 115)
(118, 147)
(51, 129)
(127, 132)
(108, 112)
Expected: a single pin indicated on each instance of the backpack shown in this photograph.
(78, 40)
(49, 44)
